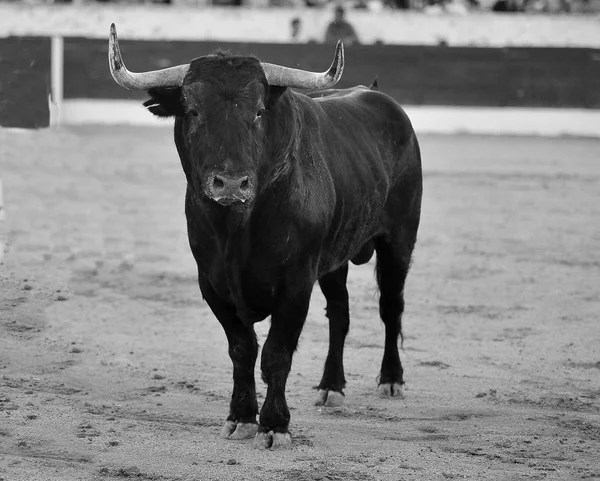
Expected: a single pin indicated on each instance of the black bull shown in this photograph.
(283, 190)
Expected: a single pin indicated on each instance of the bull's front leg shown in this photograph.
(243, 351)
(287, 321)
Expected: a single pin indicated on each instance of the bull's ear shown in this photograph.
(274, 93)
(165, 102)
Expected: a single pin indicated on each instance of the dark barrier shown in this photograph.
(414, 75)
(24, 82)
(517, 77)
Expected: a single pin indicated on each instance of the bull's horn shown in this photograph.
(167, 77)
(291, 77)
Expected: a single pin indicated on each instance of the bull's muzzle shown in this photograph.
(227, 190)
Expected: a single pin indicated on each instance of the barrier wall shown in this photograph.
(24, 82)
(413, 75)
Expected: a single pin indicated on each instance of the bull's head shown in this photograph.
(226, 111)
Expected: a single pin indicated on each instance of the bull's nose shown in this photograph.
(221, 182)
(226, 189)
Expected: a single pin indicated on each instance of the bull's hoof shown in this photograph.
(263, 440)
(391, 390)
(228, 428)
(282, 441)
(237, 431)
(272, 440)
(331, 399)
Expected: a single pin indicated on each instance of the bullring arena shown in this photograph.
(112, 366)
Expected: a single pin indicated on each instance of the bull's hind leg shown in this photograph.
(243, 350)
(333, 381)
(393, 261)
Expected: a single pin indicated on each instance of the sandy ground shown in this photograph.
(111, 366)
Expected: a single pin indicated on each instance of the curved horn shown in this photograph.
(167, 77)
(291, 77)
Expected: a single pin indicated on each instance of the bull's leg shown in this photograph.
(243, 350)
(287, 320)
(333, 381)
(393, 261)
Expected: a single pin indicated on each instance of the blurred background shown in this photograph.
(460, 54)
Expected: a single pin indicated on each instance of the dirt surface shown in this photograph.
(111, 366)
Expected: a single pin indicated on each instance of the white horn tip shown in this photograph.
(114, 55)
(113, 33)
(337, 67)
(339, 49)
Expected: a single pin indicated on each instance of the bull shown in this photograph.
(284, 189)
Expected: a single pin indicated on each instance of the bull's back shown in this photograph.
(367, 120)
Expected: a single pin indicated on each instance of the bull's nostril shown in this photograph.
(218, 183)
(244, 185)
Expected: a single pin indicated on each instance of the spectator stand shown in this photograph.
(428, 6)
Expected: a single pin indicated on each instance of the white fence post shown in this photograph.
(2, 224)
(56, 80)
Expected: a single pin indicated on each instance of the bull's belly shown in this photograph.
(251, 284)
(359, 251)
(352, 242)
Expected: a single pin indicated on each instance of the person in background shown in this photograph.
(295, 26)
(340, 29)
(507, 6)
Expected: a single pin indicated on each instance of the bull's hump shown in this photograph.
(325, 95)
